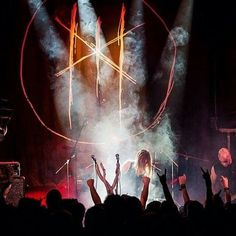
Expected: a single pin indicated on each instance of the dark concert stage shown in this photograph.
(82, 78)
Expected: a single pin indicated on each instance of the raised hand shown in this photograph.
(206, 175)
(162, 178)
(90, 182)
(209, 194)
(182, 179)
(96, 198)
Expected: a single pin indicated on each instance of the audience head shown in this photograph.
(74, 207)
(54, 199)
(193, 209)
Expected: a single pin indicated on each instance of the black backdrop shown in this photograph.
(209, 98)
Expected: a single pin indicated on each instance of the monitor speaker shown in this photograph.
(15, 191)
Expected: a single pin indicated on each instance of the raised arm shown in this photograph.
(166, 190)
(183, 189)
(225, 184)
(209, 193)
(144, 193)
(96, 198)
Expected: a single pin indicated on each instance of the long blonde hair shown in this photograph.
(143, 163)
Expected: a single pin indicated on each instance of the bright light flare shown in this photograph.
(121, 59)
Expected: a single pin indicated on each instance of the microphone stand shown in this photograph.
(117, 166)
(74, 154)
(228, 132)
(172, 175)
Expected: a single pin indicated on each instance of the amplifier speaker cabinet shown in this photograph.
(12, 185)
(9, 169)
(15, 191)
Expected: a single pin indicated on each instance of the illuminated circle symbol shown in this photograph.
(156, 118)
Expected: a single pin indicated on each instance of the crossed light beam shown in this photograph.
(96, 50)
(104, 58)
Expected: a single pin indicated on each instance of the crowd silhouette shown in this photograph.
(123, 214)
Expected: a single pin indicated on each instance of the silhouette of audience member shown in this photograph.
(77, 210)
(31, 217)
(215, 210)
(182, 183)
(193, 210)
(125, 214)
(59, 221)
(95, 197)
(153, 207)
(54, 200)
(95, 221)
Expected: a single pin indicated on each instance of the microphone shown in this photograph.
(155, 162)
(73, 156)
(117, 158)
(94, 159)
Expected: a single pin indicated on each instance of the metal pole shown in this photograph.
(172, 179)
(68, 178)
(228, 140)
